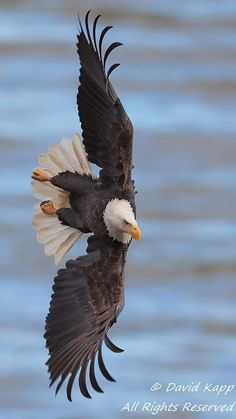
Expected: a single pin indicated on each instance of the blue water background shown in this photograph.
(177, 80)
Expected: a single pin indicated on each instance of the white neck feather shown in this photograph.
(116, 211)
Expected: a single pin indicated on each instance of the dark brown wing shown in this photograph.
(87, 299)
(107, 130)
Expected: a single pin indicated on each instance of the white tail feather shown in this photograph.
(46, 161)
(66, 246)
(81, 155)
(56, 237)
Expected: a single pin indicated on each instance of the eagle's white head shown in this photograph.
(120, 221)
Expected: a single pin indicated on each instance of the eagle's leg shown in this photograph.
(41, 175)
(70, 182)
(73, 182)
(48, 207)
(71, 218)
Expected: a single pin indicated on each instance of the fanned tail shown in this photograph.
(56, 237)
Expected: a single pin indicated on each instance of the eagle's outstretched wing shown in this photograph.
(107, 130)
(87, 299)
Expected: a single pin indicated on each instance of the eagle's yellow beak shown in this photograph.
(136, 233)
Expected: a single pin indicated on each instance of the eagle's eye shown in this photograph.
(126, 222)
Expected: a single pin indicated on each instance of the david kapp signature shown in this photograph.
(194, 388)
(220, 404)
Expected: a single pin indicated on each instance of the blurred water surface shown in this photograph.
(178, 83)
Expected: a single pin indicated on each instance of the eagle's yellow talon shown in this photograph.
(48, 207)
(40, 175)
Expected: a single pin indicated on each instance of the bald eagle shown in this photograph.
(88, 294)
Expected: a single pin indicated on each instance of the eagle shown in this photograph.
(88, 294)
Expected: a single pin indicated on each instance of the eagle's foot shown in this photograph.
(48, 207)
(40, 175)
